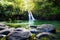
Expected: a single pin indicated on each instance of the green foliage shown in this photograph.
(8, 9)
(44, 9)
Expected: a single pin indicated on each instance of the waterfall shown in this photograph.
(31, 18)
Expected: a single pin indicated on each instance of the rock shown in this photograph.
(19, 34)
(1, 35)
(6, 31)
(33, 26)
(47, 28)
(34, 31)
(46, 35)
(42, 34)
(3, 26)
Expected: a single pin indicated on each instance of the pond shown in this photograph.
(36, 22)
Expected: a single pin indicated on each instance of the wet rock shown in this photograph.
(34, 31)
(3, 26)
(48, 36)
(33, 26)
(6, 31)
(47, 28)
(19, 34)
(42, 34)
(1, 35)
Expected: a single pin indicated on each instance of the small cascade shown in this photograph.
(31, 18)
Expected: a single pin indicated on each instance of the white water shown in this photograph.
(31, 18)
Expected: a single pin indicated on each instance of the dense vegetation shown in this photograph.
(43, 10)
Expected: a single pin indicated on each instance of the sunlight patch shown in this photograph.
(26, 5)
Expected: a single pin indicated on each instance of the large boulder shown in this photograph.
(19, 34)
(47, 28)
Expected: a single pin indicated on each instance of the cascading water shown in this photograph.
(31, 18)
(25, 5)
